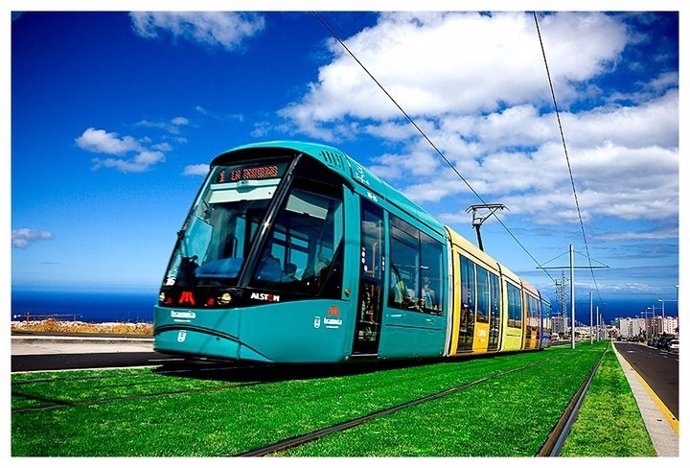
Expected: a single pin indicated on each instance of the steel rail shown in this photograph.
(60, 404)
(339, 427)
(556, 438)
(152, 370)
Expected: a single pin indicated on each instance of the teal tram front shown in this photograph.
(294, 253)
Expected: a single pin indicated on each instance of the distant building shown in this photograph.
(667, 325)
(547, 323)
(650, 326)
(631, 327)
(560, 325)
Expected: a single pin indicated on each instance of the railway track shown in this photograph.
(551, 446)
(148, 378)
(237, 376)
(317, 434)
(554, 442)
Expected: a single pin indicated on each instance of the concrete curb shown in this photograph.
(79, 339)
(80, 344)
(663, 435)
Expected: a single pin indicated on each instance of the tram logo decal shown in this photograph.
(317, 322)
(265, 297)
(181, 336)
(187, 298)
(332, 319)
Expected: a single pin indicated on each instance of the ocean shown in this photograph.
(84, 306)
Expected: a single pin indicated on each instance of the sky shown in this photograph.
(115, 117)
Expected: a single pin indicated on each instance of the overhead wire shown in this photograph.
(565, 150)
(424, 135)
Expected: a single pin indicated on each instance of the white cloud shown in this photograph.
(432, 65)
(130, 155)
(100, 141)
(224, 29)
(165, 147)
(179, 121)
(196, 170)
(236, 117)
(641, 235)
(22, 238)
(142, 162)
(476, 85)
(172, 126)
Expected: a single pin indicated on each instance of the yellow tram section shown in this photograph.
(512, 330)
(480, 337)
(531, 305)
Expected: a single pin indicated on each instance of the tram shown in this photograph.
(293, 252)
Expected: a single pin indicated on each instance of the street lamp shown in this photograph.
(663, 321)
(653, 320)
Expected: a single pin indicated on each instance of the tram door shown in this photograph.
(371, 274)
(467, 305)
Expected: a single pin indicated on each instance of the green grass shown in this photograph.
(609, 423)
(218, 420)
(507, 417)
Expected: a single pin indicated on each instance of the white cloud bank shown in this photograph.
(476, 84)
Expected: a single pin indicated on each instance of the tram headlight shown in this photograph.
(161, 297)
(225, 298)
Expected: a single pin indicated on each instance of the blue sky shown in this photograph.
(114, 116)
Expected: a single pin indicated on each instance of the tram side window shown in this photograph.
(533, 315)
(482, 295)
(546, 320)
(372, 242)
(514, 307)
(467, 298)
(303, 254)
(404, 269)
(495, 310)
(432, 275)
(416, 269)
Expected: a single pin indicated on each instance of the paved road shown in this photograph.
(658, 368)
(31, 353)
(33, 362)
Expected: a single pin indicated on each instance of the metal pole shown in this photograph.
(479, 236)
(572, 298)
(598, 331)
(591, 331)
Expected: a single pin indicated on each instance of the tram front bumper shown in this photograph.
(201, 334)
(203, 343)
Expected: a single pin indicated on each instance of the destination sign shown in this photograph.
(235, 174)
(263, 172)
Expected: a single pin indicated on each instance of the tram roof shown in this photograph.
(348, 168)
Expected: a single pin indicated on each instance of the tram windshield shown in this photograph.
(223, 222)
(301, 253)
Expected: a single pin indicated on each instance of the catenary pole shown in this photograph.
(591, 331)
(572, 298)
(572, 268)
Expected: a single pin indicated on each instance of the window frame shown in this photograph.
(282, 236)
(428, 254)
(513, 292)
